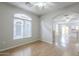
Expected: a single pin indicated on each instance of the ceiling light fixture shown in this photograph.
(40, 5)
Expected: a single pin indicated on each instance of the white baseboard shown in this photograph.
(17, 45)
(47, 41)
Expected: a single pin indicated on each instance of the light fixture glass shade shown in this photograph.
(40, 5)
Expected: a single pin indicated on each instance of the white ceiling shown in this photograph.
(56, 6)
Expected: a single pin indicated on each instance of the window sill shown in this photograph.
(20, 38)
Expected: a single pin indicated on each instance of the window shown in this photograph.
(22, 26)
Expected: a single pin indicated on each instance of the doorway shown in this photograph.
(66, 34)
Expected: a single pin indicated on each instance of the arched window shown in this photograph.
(22, 26)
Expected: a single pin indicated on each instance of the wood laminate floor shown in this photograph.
(43, 49)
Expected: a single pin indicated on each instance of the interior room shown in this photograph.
(39, 28)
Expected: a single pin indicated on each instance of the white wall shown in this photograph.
(6, 27)
(47, 26)
(47, 22)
